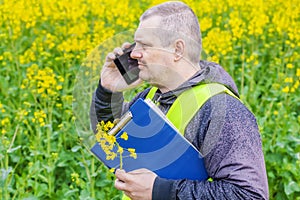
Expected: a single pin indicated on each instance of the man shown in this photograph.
(168, 46)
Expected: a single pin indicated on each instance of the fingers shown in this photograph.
(113, 55)
(121, 175)
(110, 57)
(137, 184)
(122, 182)
(117, 52)
(126, 45)
(120, 185)
(140, 171)
(122, 178)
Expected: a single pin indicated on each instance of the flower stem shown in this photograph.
(121, 157)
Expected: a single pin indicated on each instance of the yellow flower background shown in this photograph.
(43, 46)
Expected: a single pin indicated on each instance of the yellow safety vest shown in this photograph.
(188, 103)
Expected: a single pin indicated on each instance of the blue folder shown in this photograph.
(158, 145)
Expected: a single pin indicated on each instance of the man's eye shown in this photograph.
(146, 45)
(142, 45)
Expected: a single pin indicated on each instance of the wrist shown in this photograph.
(162, 189)
(106, 94)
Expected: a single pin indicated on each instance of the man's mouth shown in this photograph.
(141, 64)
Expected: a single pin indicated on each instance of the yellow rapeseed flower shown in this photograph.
(58, 105)
(1, 108)
(286, 89)
(110, 156)
(111, 139)
(296, 85)
(3, 131)
(293, 90)
(290, 66)
(218, 41)
(5, 121)
(39, 116)
(74, 176)
(124, 136)
(206, 23)
(120, 150)
(288, 80)
(298, 72)
(54, 155)
(59, 87)
(132, 153)
(109, 143)
(112, 170)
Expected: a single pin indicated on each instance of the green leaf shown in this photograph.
(5, 172)
(14, 149)
(70, 192)
(291, 187)
(42, 189)
(76, 148)
(31, 198)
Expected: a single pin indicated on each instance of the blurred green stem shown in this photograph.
(92, 179)
(89, 173)
(13, 139)
(5, 181)
(243, 76)
(50, 162)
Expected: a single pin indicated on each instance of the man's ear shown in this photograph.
(179, 49)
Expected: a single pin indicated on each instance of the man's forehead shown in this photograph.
(141, 32)
(149, 36)
(151, 22)
(148, 26)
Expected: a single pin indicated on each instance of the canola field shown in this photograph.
(50, 58)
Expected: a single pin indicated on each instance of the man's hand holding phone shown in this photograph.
(120, 72)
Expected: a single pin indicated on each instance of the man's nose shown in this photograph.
(136, 54)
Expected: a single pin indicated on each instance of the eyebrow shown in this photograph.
(141, 41)
(137, 40)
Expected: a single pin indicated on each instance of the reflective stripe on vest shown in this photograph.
(190, 101)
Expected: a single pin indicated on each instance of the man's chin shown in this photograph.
(143, 76)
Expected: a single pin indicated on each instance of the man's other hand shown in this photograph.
(137, 184)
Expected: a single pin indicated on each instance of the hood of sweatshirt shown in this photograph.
(209, 73)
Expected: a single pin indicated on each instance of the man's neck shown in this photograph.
(183, 74)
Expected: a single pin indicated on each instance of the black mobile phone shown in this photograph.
(128, 66)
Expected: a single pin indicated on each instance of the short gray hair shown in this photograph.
(177, 17)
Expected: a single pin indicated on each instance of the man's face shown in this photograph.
(155, 62)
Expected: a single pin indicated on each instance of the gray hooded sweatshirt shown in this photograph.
(223, 130)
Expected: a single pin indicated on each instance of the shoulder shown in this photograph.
(231, 114)
(227, 105)
(230, 123)
(221, 116)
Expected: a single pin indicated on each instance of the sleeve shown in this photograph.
(105, 106)
(108, 106)
(228, 137)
